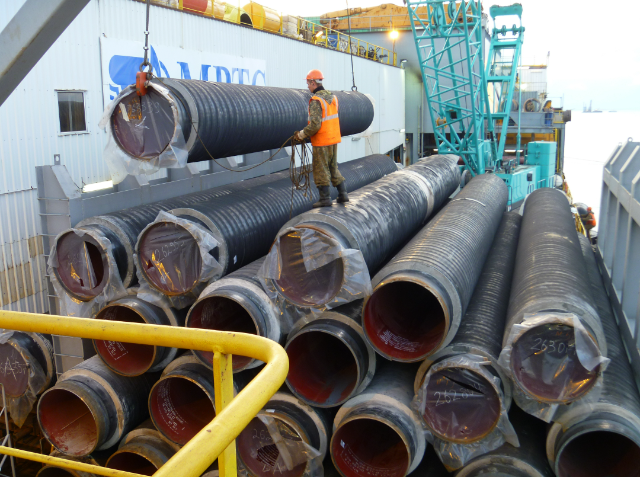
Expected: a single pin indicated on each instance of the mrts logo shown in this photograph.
(206, 67)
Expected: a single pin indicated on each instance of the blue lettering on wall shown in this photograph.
(219, 71)
(184, 70)
(255, 77)
(241, 72)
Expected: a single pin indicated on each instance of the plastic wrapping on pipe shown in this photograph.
(193, 243)
(555, 361)
(316, 251)
(159, 129)
(77, 265)
(452, 389)
(29, 376)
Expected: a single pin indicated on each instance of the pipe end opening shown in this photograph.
(222, 314)
(83, 268)
(307, 288)
(600, 453)
(180, 408)
(461, 405)
(14, 372)
(131, 462)
(261, 455)
(549, 351)
(170, 258)
(323, 370)
(128, 359)
(365, 447)
(68, 422)
(143, 125)
(405, 321)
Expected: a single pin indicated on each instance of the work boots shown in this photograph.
(342, 193)
(325, 197)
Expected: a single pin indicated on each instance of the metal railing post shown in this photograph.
(7, 439)
(223, 388)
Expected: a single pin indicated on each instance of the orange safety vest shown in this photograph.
(329, 132)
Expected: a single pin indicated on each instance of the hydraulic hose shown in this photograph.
(421, 294)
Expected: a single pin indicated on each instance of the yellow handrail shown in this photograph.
(210, 443)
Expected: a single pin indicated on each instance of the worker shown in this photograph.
(324, 131)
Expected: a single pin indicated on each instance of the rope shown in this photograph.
(146, 44)
(353, 76)
(300, 176)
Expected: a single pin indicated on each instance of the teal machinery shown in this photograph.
(469, 104)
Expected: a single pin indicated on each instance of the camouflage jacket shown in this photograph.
(315, 112)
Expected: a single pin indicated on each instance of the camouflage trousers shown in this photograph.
(325, 166)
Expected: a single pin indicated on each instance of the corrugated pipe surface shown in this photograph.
(243, 223)
(378, 219)
(550, 276)
(420, 296)
(230, 119)
(91, 407)
(237, 303)
(480, 332)
(329, 358)
(528, 460)
(602, 438)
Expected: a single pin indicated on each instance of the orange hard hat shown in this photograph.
(315, 75)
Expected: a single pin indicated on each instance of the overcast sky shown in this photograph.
(595, 51)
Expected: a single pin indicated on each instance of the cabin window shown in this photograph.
(71, 111)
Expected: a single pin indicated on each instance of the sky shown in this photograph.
(595, 53)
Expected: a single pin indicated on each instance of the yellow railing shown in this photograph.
(217, 439)
(296, 27)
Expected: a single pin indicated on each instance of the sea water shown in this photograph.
(590, 140)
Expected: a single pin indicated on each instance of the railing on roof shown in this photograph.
(217, 439)
(264, 18)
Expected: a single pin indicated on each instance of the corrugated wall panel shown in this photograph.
(29, 123)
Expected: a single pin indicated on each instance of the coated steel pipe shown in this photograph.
(329, 358)
(378, 219)
(377, 432)
(52, 471)
(420, 296)
(474, 410)
(244, 225)
(91, 407)
(130, 359)
(228, 119)
(603, 438)
(238, 303)
(286, 438)
(143, 451)
(528, 460)
(550, 276)
(18, 355)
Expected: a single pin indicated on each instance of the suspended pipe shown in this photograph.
(244, 225)
(238, 303)
(51, 471)
(143, 451)
(131, 359)
(378, 219)
(420, 296)
(471, 420)
(377, 432)
(550, 276)
(603, 438)
(230, 119)
(329, 358)
(182, 402)
(286, 438)
(528, 460)
(18, 355)
(91, 407)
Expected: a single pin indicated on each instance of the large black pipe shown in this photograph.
(603, 438)
(84, 251)
(378, 219)
(228, 119)
(420, 296)
(244, 225)
(473, 418)
(19, 356)
(550, 276)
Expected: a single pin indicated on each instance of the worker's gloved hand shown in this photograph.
(300, 136)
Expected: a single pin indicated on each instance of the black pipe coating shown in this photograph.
(230, 119)
(245, 223)
(420, 296)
